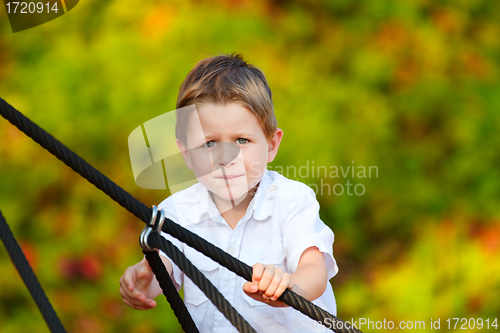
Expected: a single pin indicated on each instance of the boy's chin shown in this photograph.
(236, 196)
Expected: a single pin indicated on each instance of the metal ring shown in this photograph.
(143, 239)
(159, 226)
(153, 215)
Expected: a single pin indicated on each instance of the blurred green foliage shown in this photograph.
(410, 87)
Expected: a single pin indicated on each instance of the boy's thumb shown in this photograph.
(250, 287)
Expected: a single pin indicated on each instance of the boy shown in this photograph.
(258, 216)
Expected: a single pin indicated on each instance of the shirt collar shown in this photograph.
(263, 198)
(201, 206)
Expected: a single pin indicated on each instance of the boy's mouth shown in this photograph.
(227, 177)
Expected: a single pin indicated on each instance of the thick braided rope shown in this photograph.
(29, 278)
(201, 281)
(171, 294)
(75, 162)
(127, 201)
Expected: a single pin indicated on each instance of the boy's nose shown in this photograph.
(224, 154)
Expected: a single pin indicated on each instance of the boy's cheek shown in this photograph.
(201, 163)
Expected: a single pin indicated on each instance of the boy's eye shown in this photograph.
(209, 144)
(241, 140)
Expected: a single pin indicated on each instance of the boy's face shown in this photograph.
(227, 149)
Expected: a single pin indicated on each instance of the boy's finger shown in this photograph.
(128, 303)
(144, 304)
(128, 277)
(280, 290)
(267, 277)
(274, 284)
(122, 292)
(150, 303)
(131, 301)
(258, 269)
(140, 305)
(139, 296)
(124, 284)
(129, 284)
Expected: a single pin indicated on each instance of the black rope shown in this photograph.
(29, 278)
(171, 294)
(75, 162)
(127, 201)
(201, 281)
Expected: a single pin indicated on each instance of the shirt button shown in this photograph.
(273, 188)
(230, 250)
(191, 195)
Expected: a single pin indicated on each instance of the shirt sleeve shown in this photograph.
(303, 229)
(170, 213)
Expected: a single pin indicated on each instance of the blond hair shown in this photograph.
(226, 79)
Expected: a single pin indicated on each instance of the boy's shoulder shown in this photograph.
(186, 206)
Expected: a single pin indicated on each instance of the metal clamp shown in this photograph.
(152, 226)
(153, 215)
(143, 239)
(159, 225)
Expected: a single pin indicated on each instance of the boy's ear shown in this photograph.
(274, 145)
(184, 153)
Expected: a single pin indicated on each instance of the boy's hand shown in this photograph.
(135, 284)
(268, 283)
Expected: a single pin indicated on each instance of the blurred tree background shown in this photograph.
(409, 87)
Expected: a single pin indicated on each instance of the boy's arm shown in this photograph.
(154, 288)
(309, 280)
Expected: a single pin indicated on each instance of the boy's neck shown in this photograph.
(231, 211)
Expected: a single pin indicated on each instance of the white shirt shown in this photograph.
(282, 220)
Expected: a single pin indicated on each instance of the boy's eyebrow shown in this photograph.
(209, 135)
(244, 134)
